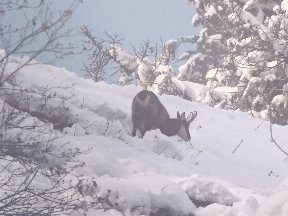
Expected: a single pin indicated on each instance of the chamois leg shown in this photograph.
(142, 133)
(134, 122)
(134, 130)
(142, 128)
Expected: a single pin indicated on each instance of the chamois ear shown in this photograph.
(182, 117)
(178, 115)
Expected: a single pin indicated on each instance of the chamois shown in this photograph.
(149, 114)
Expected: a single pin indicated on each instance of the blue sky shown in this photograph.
(137, 20)
(133, 20)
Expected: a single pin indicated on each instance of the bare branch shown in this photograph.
(274, 141)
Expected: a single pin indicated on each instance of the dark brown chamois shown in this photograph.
(149, 114)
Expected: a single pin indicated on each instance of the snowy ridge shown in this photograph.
(161, 175)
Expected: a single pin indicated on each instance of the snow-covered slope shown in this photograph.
(161, 175)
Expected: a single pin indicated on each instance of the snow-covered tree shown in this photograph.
(238, 61)
(245, 45)
(36, 174)
(150, 66)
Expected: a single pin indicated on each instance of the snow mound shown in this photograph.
(205, 191)
(160, 175)
(277, 203)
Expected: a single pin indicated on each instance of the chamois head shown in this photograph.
(183, 131)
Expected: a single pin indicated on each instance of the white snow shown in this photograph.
(215, 77)
(277, 203)
(210, 11)
(188, 66)
(195, 91)
(214, 38)
(284, 6)
(280, 99)
(232, 165)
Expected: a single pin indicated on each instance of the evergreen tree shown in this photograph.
(244, 43)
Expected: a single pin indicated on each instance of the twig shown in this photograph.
(237, 146)
(243, 139)
(259, 125)
(198, 153)
(274, 141)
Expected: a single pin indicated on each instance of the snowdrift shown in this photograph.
(231, 169)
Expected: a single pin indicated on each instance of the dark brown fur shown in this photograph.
(149, 114)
